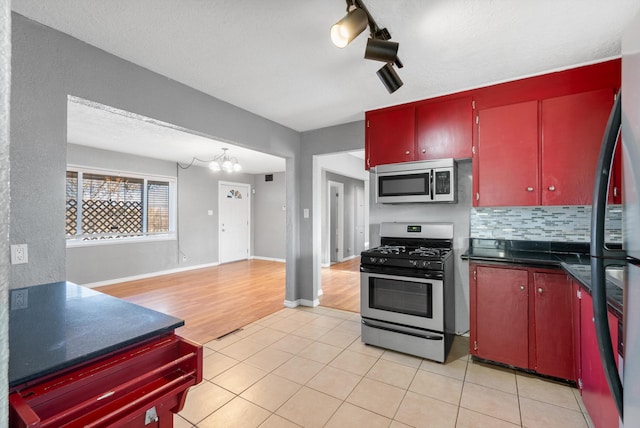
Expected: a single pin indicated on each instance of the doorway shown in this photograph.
(233, 221)
(335, 203)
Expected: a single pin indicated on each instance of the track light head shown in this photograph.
(381, 50)
(389, 78)
(349, 27)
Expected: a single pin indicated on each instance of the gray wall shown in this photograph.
(47, 67)
(5, 75)
(339, 138)
(349, 236)
(197, 232)
(458, 214)
(269, 223)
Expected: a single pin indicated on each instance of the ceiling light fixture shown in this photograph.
(349, 27)
(224, 162)
(379, 48)
(389, 78)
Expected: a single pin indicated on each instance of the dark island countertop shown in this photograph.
(59, 325)
(572, 257)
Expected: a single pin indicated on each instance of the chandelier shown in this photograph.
(224, 162)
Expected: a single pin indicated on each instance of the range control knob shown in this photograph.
(373, 259)
(425, 263)
(382, 260)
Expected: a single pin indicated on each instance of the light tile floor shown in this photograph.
(307, 367)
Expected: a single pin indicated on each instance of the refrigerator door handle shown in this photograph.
(599, 252)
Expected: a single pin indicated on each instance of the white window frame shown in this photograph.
(173, 196)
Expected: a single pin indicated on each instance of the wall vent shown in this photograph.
(268, 177)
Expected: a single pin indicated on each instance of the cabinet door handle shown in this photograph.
(407, 152)
(552, 188)
(423, 151)
(522, 287)
(539, 290)
(529, 189)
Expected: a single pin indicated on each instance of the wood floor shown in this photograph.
(218, 300)
(341, 286)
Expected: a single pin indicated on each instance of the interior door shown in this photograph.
(233, 203)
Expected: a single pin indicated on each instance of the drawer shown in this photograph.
(113, 391)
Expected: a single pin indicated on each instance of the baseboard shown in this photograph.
(269, 259)
(350, 257)
(147, 275)
(301, 302)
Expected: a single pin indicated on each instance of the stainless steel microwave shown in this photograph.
(409, 182)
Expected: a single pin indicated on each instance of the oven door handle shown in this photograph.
(422, 336)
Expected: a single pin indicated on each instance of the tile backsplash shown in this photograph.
(553, 223)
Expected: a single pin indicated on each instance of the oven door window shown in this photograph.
(405, 297)
(403, 185)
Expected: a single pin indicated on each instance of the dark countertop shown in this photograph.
(582, 274)
(59, 325)
(572, 257)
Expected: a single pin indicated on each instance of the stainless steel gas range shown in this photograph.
(407, 297)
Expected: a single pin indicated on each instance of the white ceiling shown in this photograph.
(274, 58)
(96, 125)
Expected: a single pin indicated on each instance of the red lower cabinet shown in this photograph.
(552, 325)
(521, 317)
(595, 391)
(142, 386)
(500, 330)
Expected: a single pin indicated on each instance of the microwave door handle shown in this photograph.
(431, 184)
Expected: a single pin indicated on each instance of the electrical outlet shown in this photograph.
(19, 254)
(184, 258)
(19, 298)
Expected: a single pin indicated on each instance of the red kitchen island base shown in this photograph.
(141, 386)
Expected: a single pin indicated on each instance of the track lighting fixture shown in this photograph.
(379, 48)
(349, 27)
(389, 78)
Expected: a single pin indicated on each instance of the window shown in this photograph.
(116, 207)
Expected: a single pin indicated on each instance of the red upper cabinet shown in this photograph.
(572, 129)
(553, 327)
(444, 129)
(506, 170)
(390, 136)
